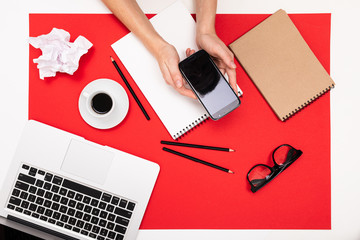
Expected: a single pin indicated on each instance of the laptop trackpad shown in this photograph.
(87, 161)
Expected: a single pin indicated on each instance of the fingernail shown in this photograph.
(233, 65)
(178, 83)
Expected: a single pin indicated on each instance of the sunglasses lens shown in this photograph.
(284, 154)
(259, 175)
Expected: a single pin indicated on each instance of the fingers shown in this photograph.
(222, 65)
(189, 52)
(186, 92)
(222, 71)
(172, 66)
(168, 60)
(178, 82)
(226, 56)
(170, 80)
(166, 75)
(230, 71)
(232, 78)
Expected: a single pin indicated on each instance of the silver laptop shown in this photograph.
(76, 189)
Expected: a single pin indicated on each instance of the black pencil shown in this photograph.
(130, 89)
(197, 160)
(197, 146)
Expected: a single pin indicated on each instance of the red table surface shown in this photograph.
(188, 195)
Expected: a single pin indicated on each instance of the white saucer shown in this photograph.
(119, 96)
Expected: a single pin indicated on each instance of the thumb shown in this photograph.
(175, 75)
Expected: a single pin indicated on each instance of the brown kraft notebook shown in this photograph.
(281, 65)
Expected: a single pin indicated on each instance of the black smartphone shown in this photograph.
(209, 85)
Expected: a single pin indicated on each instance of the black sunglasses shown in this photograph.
(261, 174)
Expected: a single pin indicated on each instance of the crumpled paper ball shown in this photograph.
(58, 53)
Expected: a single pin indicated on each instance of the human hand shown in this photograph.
(168, 60)
(221, 54)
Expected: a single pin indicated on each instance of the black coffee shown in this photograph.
(101, 103)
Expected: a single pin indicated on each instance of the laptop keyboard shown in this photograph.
(70, 205)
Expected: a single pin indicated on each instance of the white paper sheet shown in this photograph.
(175, 24)
(58, 53)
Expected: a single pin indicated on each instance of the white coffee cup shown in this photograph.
(103, 103)
(99, 103)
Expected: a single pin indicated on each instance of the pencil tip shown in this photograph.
(230, 172)
(111, 58)
(231, 150)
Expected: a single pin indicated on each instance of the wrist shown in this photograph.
(154, 44)
(205, 28)
(205, 16)
(159, 48)
(203, 37)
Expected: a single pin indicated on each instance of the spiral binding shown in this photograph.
(189, 127)
(308, 102)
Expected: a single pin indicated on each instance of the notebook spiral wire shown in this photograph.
(189, 127)
(308, 102)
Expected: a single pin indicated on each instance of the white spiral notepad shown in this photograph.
(175, 24)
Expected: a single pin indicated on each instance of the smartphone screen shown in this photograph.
(209, 85)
